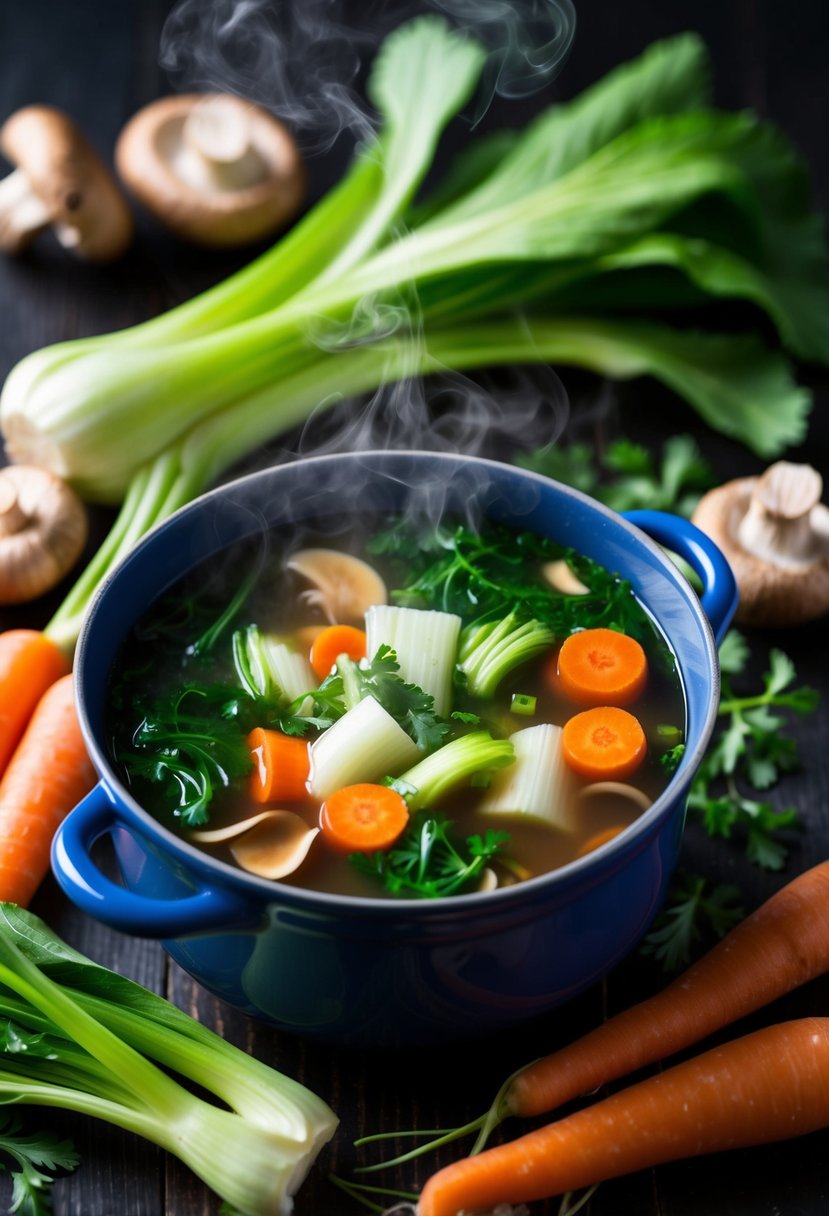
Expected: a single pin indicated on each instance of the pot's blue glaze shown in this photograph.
(376, 972)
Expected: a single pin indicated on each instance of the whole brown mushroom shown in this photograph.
(215, 169)
(62, 183)
(774, 531)
(43, 529)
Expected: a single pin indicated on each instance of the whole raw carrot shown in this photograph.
(780, 946)
(29, 663)
(47, 775)
(770, 1085)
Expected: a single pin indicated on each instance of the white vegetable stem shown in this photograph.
(425, 643)
(365, 744)
(539, 784)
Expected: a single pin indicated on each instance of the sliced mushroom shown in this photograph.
(272, 844)
(559, 575)
(619, 789)
(43, 529)
(774, 531)
(59, 182)
(214, 168)
(342, 587)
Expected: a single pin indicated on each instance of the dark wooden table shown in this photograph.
(98, 59)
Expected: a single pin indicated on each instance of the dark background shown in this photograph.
(98, 60)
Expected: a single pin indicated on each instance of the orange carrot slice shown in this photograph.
(29, 663)
(280, 766)
(48, 774)
(363, 818)
(601, 667)
(604, 743)
(333, 641)
(599, 838)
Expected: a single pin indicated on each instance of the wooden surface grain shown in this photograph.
(98, 59)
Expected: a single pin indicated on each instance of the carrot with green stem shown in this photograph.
(770, 1085)
(47, 775)
(779, 947)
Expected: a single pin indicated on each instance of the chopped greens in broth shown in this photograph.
(392, 718)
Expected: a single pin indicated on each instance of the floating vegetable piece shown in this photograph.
(273, 844)
(277, 848)
(343, 587)
(559, 575)
(489, 881)
(601, 667)
(212, 167)
(60, 182)
(603, 743)
(596, 841)
(619, 789)
(774, 530)
(43, 529)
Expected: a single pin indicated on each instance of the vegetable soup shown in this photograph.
(412, 713)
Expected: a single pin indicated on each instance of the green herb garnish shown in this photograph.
(429, 861)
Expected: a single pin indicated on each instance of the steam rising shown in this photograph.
(305, 61)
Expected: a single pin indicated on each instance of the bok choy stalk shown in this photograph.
(600, 194)
(91, 1040)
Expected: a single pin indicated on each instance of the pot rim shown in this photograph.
(594, 864)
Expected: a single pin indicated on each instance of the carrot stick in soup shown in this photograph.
(333, 641)
(280, 766)
(47, 775)
(770, 1085)
(29, 663)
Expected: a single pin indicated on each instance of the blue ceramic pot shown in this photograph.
(380, 972)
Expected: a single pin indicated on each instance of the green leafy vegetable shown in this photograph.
(251, 1133)
(636, 191)
(428, 862)
(478, 574)
(36, 1157)
(695, 913)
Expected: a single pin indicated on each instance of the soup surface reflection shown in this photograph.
(397, 713)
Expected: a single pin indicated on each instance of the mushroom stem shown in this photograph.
(12, 516)
(217, 151)
(778, 525)
(23, 214)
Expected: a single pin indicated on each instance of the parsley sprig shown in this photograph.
(750, 752)
(35, 1157)
(429, 861)
(696, 912)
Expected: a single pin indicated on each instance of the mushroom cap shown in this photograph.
(43, 529)
(179, 190)
(66, 173)
(772, 592)
(343, 587)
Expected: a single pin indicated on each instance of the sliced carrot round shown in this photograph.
(603, 743)
(363, 818)
(333, 641)
(601, 667)
(280, 766)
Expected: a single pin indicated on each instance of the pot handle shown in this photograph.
(209, 908)
(719, 587)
